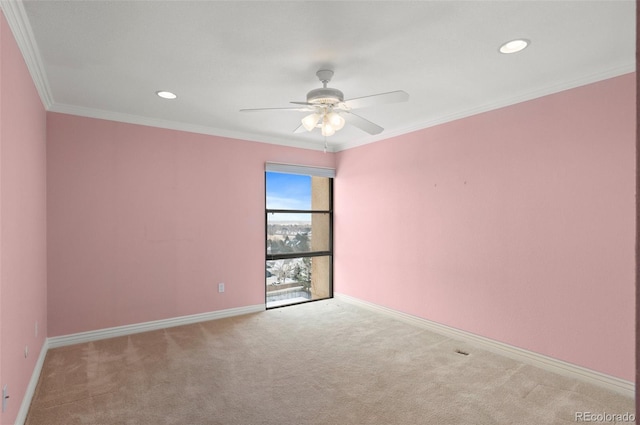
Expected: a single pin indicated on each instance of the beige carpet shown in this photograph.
(321, 363)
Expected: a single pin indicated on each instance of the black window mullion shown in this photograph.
(288, 255)
(299, 211)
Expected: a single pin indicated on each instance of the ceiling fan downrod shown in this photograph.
(324, 75)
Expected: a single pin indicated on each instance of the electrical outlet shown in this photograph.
(220, 287)
(5, 397)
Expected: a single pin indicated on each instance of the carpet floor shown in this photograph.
(320, 363)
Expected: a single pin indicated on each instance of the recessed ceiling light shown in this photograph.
(166, 94)
(514, 46)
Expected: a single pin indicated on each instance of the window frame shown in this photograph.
(292, 255)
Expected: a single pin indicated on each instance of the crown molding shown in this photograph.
(502, 103)
(337, 147)
(182, 126)
(16, 16)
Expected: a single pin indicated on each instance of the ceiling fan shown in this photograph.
(330, 112)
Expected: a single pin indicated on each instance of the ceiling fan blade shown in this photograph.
(363, 124)
(377, 99)
(278, 109)
(303, 103)
(300, 129)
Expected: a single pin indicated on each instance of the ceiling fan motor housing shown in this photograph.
(325, 96)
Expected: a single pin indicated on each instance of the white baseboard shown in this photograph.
(31, 387)
(550, 364)
(78, 338)
(61, 341)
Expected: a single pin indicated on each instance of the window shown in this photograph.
(299, 226)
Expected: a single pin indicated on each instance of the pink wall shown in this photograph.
(23, 285)
(516, 224)
(144, 222)
(637, 163)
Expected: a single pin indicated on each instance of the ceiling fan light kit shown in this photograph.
(336, 120)
(330, 112)
(311, 121)
(326, 128)
(325, 99)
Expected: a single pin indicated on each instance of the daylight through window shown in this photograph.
(299, 226)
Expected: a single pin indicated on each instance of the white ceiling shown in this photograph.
(107, 59)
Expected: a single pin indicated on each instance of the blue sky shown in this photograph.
(288, 191)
